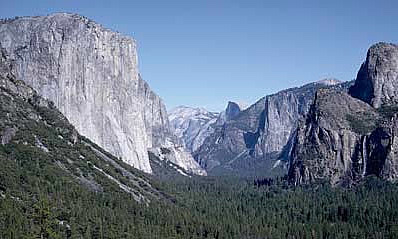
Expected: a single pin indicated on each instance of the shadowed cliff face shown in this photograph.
(329, 142)
(91, 74)
(232, 111)
(250, 142)
(377, 80)
(343, 138)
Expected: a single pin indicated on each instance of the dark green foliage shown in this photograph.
(43, 201)
(235, 209)
(40, 200)
(388, 110)
(54, 183)
(43, 194)
(365, 123)
(362, 123)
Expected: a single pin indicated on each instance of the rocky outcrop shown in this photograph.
(91, 74)
(180, 157)
(377, 79)
(283, 110)
(343, 138)
(232, 110)
(155, 117)
(261, 131)
(329, 143)
(192, 125)
(228, 140)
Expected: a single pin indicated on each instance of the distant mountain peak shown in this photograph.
(192, 125)
(233, 110)
(329, 81)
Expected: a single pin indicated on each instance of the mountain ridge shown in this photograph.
(256, 137)
(192, 125)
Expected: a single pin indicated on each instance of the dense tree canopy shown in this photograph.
(40, 201)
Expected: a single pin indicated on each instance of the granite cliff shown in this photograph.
(377, 79)
(192, 125)
(346, 137)
(91, 74)
(37, 140)
(252, 140)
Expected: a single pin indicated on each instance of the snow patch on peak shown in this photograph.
(192, 125)
(184, 112)
(329, 81)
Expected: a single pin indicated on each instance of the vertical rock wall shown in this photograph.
(91, 74)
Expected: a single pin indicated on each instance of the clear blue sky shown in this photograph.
(206, 52)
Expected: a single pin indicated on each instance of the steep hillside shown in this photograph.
(48, 167)
(91, 74)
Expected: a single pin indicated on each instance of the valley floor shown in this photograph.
(48, 205)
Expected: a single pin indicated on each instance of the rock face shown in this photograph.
(343, 138)
(377, 80)
(179, 156)
(259, 132)
(228, 141)
(330, 136)
(91, 74)
(192, 125)
(34, 132)
(233, 110)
